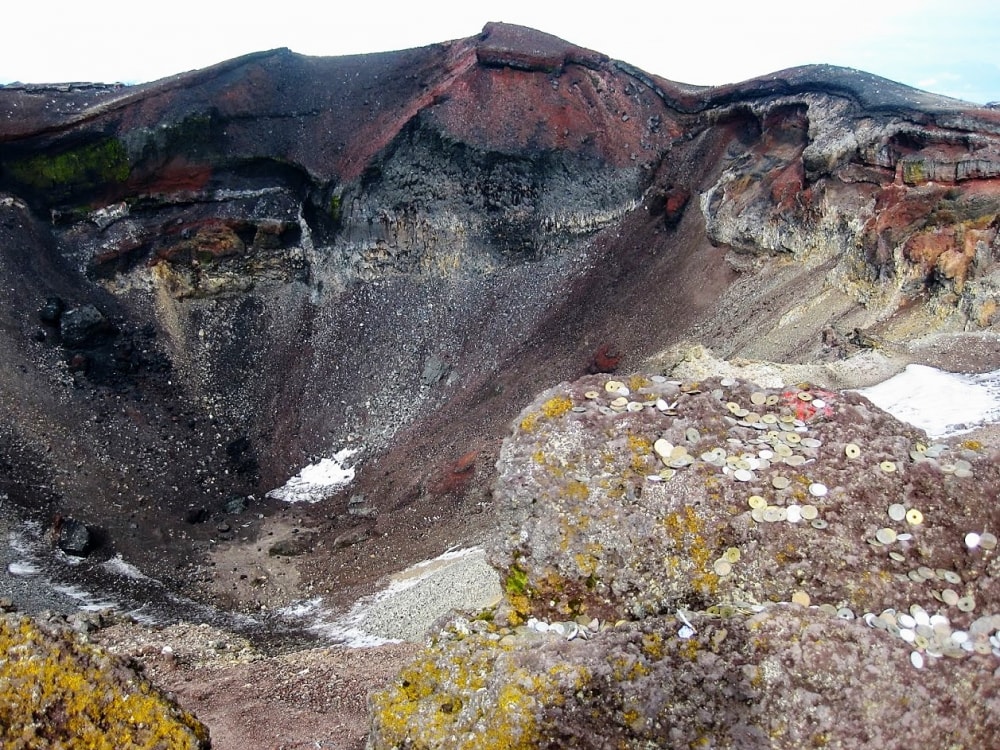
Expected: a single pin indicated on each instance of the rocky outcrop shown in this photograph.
(299, 256)
(716, 563)
(60, 691)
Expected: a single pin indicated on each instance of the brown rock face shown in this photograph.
(298, 255)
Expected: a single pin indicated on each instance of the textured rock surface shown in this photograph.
(786, 677)
(60, 691)
(804, 538)
(280, 257)
(284, 257)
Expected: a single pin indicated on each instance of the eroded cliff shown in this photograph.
(288, 256)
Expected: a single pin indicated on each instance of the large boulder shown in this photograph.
(628, 498)
(718, 564)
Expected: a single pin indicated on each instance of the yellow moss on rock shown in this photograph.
(57, 691)
(447, 698)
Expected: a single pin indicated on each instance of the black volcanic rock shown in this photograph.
(83, 327)
(74, 537)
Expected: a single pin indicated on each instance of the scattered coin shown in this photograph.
(887, 466)
(805, 396)
(772, 514)
(794, 513)
(852, 450)
(987, 541)
(819, 403)
(966, 604)
(972, 540)
(619, 403)
(809, 512)
(914, 517)
(950, 597)
(723, 567)
(591, 395)
(732, 554)
(808, 442)
(917, 659)
(801, 598)
(757, 502)
(634, 406)
(663, 447)
(615, 386)
(743, 475)
(818, 489)
(886, 535)
(897, 511)
(779, 482)
(897, 556)
(845, 613)
(819, 523)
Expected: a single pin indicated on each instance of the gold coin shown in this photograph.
(809, 512)
(887, 466)
(756, 501)
(758, 398)
(591, 395)
(780, 482)
(852, 450)
(805, 396)
(732, 554)
(613, 386)
(801, 598)
(914, 517)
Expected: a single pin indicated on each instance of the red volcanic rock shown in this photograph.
(503, 45)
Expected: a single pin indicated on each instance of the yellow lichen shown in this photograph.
(529, 422)
(56, 691)
(556, 407)
(447, 697)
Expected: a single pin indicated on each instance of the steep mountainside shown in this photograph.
(266, 262)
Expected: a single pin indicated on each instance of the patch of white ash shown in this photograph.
(411, 602)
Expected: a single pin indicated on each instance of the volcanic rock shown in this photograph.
(74, 537)
(82, 327)
(761, 550)
(284, 243)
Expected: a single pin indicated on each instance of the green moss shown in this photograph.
(517, 581)
(63, 173)
(335, 209)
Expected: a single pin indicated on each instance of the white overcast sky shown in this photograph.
(949, 47)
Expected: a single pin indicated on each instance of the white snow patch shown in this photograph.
(317, 481)
(23, 568)
(87, 601)
(940, 403)
(118, 566)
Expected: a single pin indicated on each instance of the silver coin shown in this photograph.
(897, 511)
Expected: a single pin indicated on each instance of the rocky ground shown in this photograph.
(218, 279)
